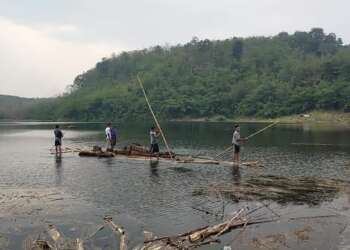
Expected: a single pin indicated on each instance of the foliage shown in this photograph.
(258, 76)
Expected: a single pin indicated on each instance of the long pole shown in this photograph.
(261, 130)
(248, 137)
(154, 116)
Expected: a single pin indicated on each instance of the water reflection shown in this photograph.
(236, 175)
(58, 160)
(109, 162)
(153, 166)
(58, 169)
(166, 192)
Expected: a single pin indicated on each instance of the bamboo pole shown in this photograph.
(250, 136)
(261, 130)
(154, 116)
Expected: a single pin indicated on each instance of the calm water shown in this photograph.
(149, 196)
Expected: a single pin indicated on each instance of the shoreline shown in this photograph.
(315, 117)
(333, 118)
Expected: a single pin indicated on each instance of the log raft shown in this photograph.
(138, 152)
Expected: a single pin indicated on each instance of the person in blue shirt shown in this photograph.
(58, 139)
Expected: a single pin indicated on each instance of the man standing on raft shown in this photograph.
(154, 149)
(236, 143)
(58, 139)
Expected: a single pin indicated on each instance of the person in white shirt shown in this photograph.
(236, 142)
(154, 148)
(108, 133)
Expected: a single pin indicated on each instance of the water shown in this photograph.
(148, 196)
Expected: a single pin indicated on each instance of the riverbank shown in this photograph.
(315, 117)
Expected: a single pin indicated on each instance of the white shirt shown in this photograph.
(108, 133)
(153, 136)
(235, 138)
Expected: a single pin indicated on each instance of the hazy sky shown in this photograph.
(44, 44)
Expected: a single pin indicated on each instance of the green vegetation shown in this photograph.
(16, 108)
(253, 77)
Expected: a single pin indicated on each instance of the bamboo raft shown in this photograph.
(138, 152)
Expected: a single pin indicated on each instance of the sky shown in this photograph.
(45, 44)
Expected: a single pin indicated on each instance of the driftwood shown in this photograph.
(139, 150)
(54, 241)
(96, 154)
(256, 164)
(301, 190)
(205, 235)
(119, 230)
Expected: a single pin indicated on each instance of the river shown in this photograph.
(75, 193)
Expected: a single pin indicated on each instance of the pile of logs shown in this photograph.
(188, 240)
(130, 150)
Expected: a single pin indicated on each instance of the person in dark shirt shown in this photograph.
(58, 139)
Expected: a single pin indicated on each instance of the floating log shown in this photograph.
(54, 241)
(205, 235)
(301, 190)
(39, 245)
(188, 240)
(119, 230)
(245, 163)
(96, 154)
(139, 150)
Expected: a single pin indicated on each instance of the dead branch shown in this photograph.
(119, 230)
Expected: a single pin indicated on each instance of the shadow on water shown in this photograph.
(58, 169)
(236, 175)
(153, 166)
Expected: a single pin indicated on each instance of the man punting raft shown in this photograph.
(154, 148)
(137, 151)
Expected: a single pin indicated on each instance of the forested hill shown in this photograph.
(16, 108)
(258, 76)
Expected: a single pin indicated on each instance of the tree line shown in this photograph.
(256, 76)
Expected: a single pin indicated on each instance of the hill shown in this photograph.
(257, 76)
(16, 108)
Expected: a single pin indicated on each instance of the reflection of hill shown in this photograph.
(300, 190)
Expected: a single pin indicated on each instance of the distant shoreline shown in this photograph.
(315, 117)
(333, 118)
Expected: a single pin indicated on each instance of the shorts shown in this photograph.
(237, 148)
(58, 142)
(154, 148)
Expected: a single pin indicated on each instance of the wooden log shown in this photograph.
(41, 245)
(196, 161)
(119, 230)
(246, 164)
(80, 244)
(205, 233)
(54, 233)
(96, 154)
